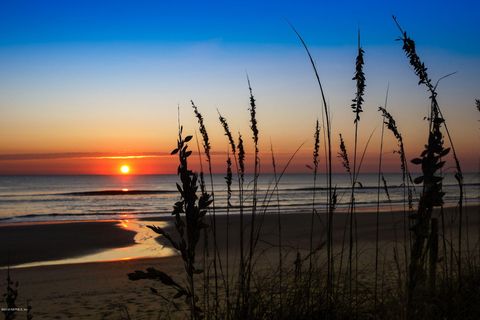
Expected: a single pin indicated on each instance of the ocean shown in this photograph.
(94, 197)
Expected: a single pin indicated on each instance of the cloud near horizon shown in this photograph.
(79, 155)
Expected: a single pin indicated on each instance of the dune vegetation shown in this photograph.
(431, 272)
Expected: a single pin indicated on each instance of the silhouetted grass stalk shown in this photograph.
(316, 147)
(228, 180)
(391, 124)
(254, 128)
(279, 221)
(332, 197)
(432, 195)
(239, 160)
(242, 276)
(206, 255)
(10, 297)
(436, 115)
(189, 213)
(207, 148)
(269, 195)
(343, 155)
(356, 106)
(377, 214)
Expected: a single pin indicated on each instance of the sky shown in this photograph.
(88, 86)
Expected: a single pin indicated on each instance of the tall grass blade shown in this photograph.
(331, 195)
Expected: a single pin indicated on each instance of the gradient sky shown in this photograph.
(83, 83)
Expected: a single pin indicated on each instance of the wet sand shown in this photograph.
(295, 227)
(21, 243)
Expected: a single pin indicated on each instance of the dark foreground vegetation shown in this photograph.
(432, 272)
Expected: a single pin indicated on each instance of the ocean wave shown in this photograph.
(116, 192)
(370, 187)
(118, 215)
(122, 192)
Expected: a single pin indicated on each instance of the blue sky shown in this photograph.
(443, 24)
(108, 75)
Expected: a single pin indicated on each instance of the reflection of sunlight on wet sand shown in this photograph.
(145, 247)
(124, 223)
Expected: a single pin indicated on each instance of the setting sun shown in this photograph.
(125, 169)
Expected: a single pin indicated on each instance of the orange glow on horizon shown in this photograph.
(82, 166)
(169, 164)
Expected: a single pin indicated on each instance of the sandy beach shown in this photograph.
(103, 291)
